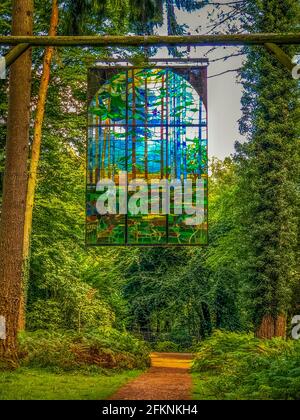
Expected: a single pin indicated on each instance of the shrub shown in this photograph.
(104, 348)
(238, 366)
(77, 308)
(45, 314)
(166, 346)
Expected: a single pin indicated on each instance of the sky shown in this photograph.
(224, 92)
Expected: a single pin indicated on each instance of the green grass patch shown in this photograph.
(40, 384)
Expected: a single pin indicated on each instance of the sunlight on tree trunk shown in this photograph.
(271, 327)
(35, 155)
(280, 326)
(15, 184)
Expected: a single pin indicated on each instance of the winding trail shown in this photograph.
(167, 379)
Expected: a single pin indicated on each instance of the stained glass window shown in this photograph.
(147, 156)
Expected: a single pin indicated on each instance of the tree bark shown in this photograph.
(271, 327)
(280, 326)
(35, 155)
(156, 40)
(15, 184)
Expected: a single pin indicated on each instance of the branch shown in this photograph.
(226, 57)
(225, 72)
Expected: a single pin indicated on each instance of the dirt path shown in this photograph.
(167, 379)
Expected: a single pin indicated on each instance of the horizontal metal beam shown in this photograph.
(123, 41)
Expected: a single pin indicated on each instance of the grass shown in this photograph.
(40, 384)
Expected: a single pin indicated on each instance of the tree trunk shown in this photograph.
(35, 156)
(15, 184)
(280, 326)
(271, 327)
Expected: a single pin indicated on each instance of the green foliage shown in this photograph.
(67, 286)
(168, 295)
(227, 251)
(181, 295)
(77, 296)
(166, 346)
(268, 165)
(103, 348)
(58, 297)
(138, 16)
(238, 366)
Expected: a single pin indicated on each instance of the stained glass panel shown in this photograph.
(147, 157)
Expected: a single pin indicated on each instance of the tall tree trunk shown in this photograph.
(281, 326)
(271, 327)
(35, 157)
(15, 184)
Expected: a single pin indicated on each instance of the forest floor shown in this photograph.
(167, 379)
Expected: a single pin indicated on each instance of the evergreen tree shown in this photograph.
(269, 168)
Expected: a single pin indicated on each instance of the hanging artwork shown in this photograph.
(147, 156)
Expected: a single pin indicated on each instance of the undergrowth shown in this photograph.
(239, 367)
(103, 348)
